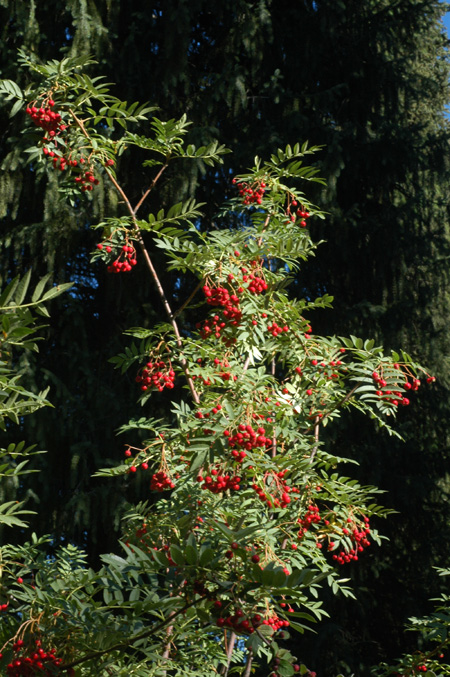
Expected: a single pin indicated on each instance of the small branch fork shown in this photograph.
(229, 647)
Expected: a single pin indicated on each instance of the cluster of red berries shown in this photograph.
(312, 516)
(125, 257)
(275, 330)
(239, 623)
(28, 663)
(58, 149)
(328, 369)
(360, 540)
(161, 481)
(238, 455)
(219, 483)
(46, 118)
(357, 536)
(141, 531)
(246, 625)
(251, 194)
(257, 285)
(157, 375)
(228, 300)
(276, 623)
(220, 296)
(86, 180)
(211, 327)
(247, 438)
(297, 213)
(392, 395)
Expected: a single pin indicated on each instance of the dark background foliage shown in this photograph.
(368, 80)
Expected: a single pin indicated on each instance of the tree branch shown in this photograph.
(248, 667)
(147, 258)
(131, 640)
(152, 185)
(230, 649)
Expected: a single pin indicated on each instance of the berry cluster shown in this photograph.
(275, 330)
(125, 256)
(220, 296)
(86, 180)
(297, 213)
(360, 540)
(166, 550)
(312, 516)
(227, 298)
(29, 662)
(56, 146)
(161, 481)
(218, 482)
(390, 393)
(248, 438)
(46, 118)
(243, 624)
(251, 194)
(257, 285)
(276, 623)
(356, 535)
(157, 375)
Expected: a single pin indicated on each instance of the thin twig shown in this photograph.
(338, 404)
(230, 649)
(316, 438)
(246, 363)
(186, 303)
(266, 223)
(248, 667)
(156, 280)
(166, 652)
(152, 185)
(264, 639)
